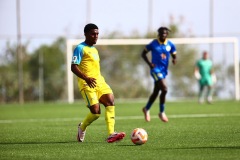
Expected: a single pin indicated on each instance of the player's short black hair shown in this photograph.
(89, 27)
(163, 28)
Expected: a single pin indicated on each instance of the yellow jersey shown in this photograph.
(88, 61)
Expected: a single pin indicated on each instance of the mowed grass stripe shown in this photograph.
(118, 118)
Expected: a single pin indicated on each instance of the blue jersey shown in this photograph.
(161, 53)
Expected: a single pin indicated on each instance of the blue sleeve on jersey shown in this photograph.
(173, 48)
(77, 55)
(149, 46)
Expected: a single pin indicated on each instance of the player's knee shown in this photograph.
(95, 109)
(107, 100)
(96, 112)
(164, 89)
(109, 103)
(164, 92)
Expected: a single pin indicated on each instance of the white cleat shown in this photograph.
(146, 114)
(81, 134)
(163, 117)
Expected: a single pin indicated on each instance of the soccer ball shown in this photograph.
(139, 136)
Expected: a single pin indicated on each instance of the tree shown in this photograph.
(121, 70)
(54, 70)
(9, 77)
(122, 67)
(182, 74)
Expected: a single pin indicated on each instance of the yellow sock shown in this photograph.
(88, 120)
(110, 118)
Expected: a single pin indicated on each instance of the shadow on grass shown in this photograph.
(66, 142)
(122, 145)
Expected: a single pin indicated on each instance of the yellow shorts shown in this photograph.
(91, 96)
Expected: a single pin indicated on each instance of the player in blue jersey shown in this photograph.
(161, 50)
(91, 84)
(205, 76)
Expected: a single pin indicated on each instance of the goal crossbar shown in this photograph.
(204, 40)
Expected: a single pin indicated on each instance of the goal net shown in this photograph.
(123, 67)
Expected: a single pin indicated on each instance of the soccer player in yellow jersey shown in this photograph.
(85, 65)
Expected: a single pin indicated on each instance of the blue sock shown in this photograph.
(148, 106)
(162, 107)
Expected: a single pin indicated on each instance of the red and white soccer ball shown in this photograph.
(139, 136)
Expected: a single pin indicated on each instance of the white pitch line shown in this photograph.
(118, 118)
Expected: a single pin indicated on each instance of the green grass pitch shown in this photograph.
(194, 132)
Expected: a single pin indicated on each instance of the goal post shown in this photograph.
(206, 40)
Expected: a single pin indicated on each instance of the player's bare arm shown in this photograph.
(144, 56)
(174, 59)
(90, 81)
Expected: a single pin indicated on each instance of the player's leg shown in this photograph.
(163, 87)
(90, 98)
(152, 98)
(200, 94)
(93, 115)
(156, 75)
(209, 94)
(107, 99)
(209, 90)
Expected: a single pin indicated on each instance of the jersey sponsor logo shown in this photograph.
(168, 48)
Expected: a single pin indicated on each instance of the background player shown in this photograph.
(161, 49)
(94, 89)
(205, 76)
